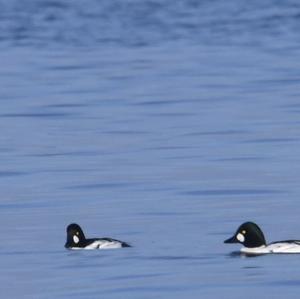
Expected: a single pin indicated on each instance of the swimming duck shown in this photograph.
(251, 236)
(76, 240)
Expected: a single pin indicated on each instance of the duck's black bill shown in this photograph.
(231, 240)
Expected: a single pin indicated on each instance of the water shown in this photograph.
(165, 124)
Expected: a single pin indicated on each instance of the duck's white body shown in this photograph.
(103, 244)
(276, 247)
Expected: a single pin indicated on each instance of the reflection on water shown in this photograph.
(235, 254)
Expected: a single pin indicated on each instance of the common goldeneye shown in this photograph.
(251, 236)
(77, 240)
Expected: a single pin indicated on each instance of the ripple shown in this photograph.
(232, 192)
(67, 105)
(100, 186)
(288, 282)
(64, 154)
(148, 22)
(40, 115)
(271, 140)
(175, 258)
(240, 159)
(12, 173)
(134, 276)
(160, 103)
(216, 133)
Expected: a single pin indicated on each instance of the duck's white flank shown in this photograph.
(277, 247)
(104, 244)
(101, 244)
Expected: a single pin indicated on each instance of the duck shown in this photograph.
(77, 240)
(251, 236)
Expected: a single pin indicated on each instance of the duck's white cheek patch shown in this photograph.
(75, 239)
(240, 237)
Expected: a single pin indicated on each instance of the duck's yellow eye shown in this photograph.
(77, 233)
(243, 232)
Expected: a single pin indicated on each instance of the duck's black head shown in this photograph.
(75, 236)
(248, 234)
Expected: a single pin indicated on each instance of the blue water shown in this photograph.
(165, 124)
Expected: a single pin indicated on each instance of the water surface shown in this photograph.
(161, 123)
